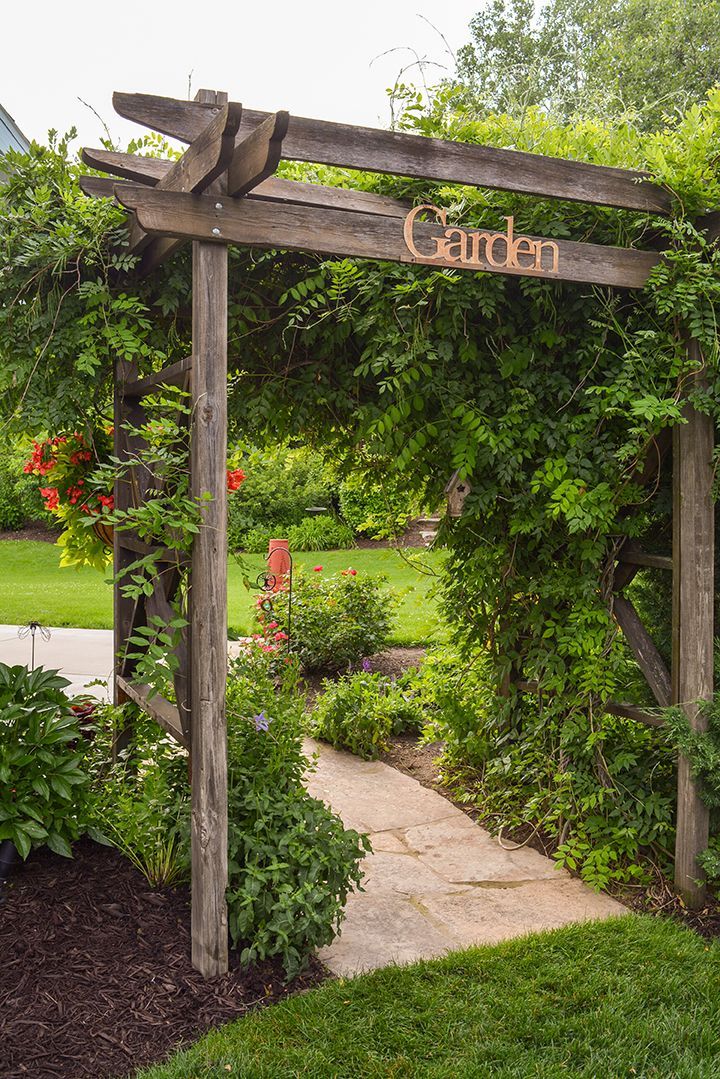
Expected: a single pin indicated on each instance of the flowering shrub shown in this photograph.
(361, 712)
(335, 619)
(65, 465)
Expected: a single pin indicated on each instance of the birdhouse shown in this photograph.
(456, 492)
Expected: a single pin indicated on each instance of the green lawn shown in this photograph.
(32, 586)
(636, 997)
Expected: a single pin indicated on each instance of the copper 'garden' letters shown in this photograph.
(471, 247)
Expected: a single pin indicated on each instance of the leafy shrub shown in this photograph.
(361, 712)
(335, 619)
(292, 863)
(322, 533)
(43, 786)
(279, 487)
(377, 509)
(20, 499)
(582, 780)
(141, 804)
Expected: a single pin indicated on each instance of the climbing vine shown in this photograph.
(545, 396)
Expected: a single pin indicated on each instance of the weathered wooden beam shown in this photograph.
(97, 187)
(164, 712)
(276, 189)
(208, 611)
(130, 542)
(272, 189)
(144, 170)
(643, 559)
(693, 595)
(643, 648)
(176, 374)
(416, 156)
(128, 614)
(631, 711)
(613, 708)
(204, 160)
(710, 223)
(257, 156)
(345, 233)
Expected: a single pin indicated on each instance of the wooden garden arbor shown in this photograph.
(223, 191)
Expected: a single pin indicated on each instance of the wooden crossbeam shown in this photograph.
(644, 650)
(201, 164)
(164, 712)
(631, 711)
(635, 556)
(257, 156)
(399, 153)
(143, 170)
(346, 233)
(613, 708)
(177, 374)
(710, 223)
(276, 189)
(129, 542)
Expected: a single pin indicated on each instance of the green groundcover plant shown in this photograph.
(361, 712)
(43, 785)
(292, 863)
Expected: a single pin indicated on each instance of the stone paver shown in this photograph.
(435, 880)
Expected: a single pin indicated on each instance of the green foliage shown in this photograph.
(291, 862)
(321, 533)
(545, 395)
(141, 804)
(280, 485)
(377, 509)
(43, 785)
(360, 712)
(336, 619)
(643, 57)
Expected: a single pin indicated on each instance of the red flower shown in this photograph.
(317, 569)
(280, 636)
(107, 502)
(235, 477)
(352, 572)
(51, 496)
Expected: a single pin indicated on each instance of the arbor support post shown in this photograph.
(693, 595)
(208, 611)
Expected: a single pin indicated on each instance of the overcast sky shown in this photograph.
(313, 57)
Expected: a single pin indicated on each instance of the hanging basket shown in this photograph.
(104, 533)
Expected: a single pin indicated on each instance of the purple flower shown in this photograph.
(262, 722)
(366, 666)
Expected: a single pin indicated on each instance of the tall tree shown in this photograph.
(592, 56)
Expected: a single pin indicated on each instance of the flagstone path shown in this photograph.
(435, 881)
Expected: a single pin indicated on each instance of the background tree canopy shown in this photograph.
(592, 57)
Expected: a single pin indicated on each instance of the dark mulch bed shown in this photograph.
(95, 972)
(35, 531)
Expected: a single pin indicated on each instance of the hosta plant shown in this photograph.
(42, 781)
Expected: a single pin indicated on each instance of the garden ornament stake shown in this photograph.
(29, 631)
(201, 198)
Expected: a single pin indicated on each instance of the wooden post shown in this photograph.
(693, 595)
(124, 610)
(208, 607)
